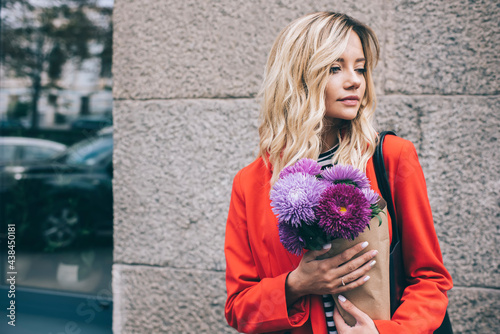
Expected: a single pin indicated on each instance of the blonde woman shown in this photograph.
(318, 102)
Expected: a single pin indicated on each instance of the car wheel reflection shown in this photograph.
(64, 202)
(61, 225)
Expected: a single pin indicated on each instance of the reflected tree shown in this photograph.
(39, 40)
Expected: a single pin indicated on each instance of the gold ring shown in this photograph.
(342, 279)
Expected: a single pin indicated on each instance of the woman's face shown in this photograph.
(346, 82)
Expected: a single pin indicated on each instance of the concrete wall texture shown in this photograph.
(186, 74)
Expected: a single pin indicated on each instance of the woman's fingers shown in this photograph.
(352, 264)
(364, 324)
(354, 279)
(346, 255)
(313, 254)
(357, 267)
(361, 317)
(319, 276)
(339, 321)
(343, 288)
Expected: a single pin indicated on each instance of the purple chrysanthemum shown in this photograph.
(345, 174)
(295, 197)
(305, 165)
(343, 211)
(371, 196)
(290, 238)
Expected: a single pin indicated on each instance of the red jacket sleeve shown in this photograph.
(424, 301)
(254, 304)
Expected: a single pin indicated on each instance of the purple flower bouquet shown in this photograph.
(315, 207)
(336, 206)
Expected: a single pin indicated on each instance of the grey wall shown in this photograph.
(185, 77)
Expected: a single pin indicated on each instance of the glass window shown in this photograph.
(7, 153)
(33, 153)
(90, 151)
(59, 209)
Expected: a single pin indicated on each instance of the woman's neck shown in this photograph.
(330, 134)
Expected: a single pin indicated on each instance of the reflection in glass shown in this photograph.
(16, 150)
(85, 270)
(56, 85)
(62, 208)
(89, 152)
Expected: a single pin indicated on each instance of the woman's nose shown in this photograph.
(353, 80)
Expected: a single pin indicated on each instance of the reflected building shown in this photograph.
(81, 88)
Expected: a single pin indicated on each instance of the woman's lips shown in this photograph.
(349, 101)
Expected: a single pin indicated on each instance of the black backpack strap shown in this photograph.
(396, 265)
(383, 184)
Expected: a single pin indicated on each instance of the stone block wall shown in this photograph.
(186, 74)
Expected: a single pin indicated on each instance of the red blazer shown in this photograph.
(257, 263)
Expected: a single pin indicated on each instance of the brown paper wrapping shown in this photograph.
(373, 297)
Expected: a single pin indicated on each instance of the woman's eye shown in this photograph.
(334, 69)
(361, 70)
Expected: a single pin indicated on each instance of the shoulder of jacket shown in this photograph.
(394, 145)
(256, 170)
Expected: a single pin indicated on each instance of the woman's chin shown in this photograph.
(336, 119)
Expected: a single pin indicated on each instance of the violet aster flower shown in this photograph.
(294, 198)
(371, 196)
(346, 174)
(343, 211)
(290, 238)
(305, 165)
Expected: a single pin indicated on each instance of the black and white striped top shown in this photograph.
(329, 306)
(325, 160)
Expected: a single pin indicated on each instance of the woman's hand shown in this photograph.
(364, 324)
(329, 276)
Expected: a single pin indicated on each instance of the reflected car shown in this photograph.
(18, 150)
(92, 122)
(62, 201)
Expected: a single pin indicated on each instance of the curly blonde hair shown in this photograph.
(293, 93)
